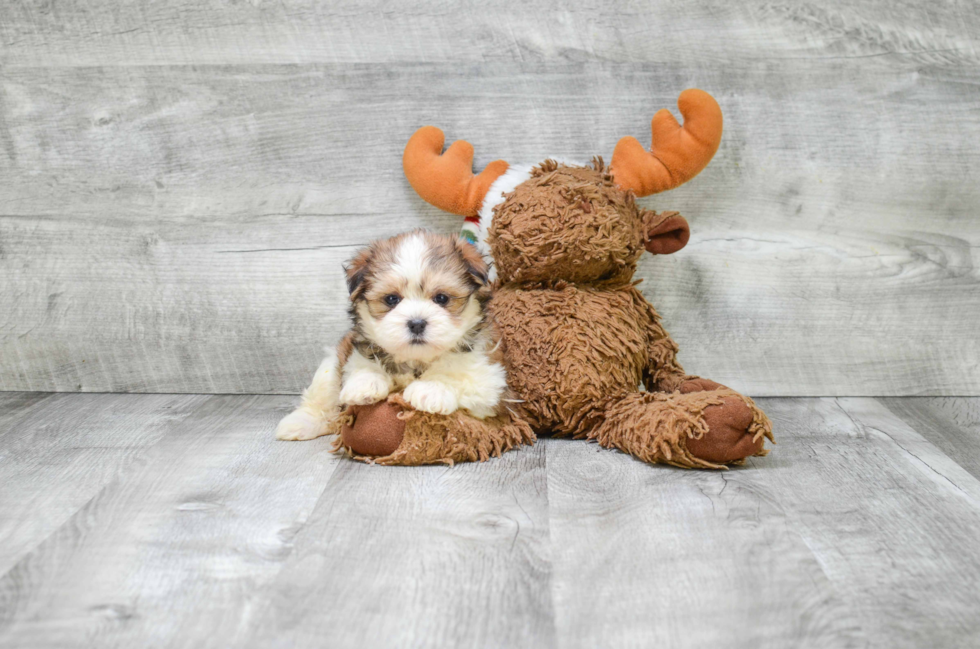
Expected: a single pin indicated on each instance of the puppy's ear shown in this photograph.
(356, 270)
(475, 265)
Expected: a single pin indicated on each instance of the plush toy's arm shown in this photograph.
(662, 372)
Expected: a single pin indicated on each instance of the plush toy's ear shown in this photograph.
(356, 270)
(667, 232)
(476, 266)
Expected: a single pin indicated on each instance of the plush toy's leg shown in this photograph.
(391, 432)
(699, 428)
(372, 431)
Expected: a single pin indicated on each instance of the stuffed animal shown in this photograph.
(578, 337)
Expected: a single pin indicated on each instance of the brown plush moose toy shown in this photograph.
(578, 338)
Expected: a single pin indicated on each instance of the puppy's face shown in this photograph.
(418, 295)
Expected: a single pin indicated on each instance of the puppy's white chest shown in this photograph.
(403, 380)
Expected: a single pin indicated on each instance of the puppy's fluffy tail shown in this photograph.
(319, 410)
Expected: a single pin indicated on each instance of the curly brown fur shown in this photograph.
(569, 223)
(569, 347)
(438, 439)
(658, 427)
(579, 338)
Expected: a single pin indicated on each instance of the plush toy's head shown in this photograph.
(564, 221)
(574, 223)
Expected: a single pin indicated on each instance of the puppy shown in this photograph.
(418, 308)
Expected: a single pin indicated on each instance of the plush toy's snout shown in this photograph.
(667, 232)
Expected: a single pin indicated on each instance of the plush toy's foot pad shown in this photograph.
(728, 438)
(374, 430)
(697, 384)
(707, 426)
(392, 432)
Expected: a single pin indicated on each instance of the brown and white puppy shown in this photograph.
(418, 309)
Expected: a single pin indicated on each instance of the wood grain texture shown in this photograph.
(188, 32)
(669, 557)
(951, 425)
(60, 452)
(204, 531)
(855, 531)
(891, 518)
(208, 516)
(423, 557)
(181, 180)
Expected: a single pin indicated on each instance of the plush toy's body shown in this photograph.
(578, 338)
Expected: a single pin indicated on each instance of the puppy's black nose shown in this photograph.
(417, 326)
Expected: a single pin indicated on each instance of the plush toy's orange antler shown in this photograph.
(447, 180)
(678, 152)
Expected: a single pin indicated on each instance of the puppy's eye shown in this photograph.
(441, 299)
(391, 299)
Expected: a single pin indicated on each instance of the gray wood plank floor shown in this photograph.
(175, 521)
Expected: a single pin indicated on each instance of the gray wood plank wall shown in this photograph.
(179, 182)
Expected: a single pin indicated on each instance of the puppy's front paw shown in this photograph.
(300, 425)
(431, 396)
(364, 389)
